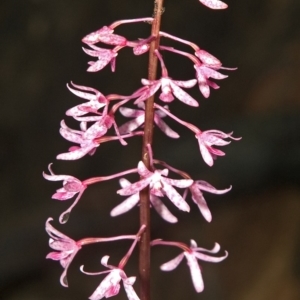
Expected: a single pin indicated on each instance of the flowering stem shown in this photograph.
(144, 255)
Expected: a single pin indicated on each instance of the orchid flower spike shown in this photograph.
(65, 247)
(193, 253)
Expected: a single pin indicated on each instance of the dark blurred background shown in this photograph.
(257, 222)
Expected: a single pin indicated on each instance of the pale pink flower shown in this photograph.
(209, 138)
(192, 254)
(71, 187)
(169, 87)
(139, 119)
(214, 4)
(104, 35)
(159, 184)
(87, 146)
(110, 285)
(96, 100)
(207, 69)
(105, 56)
(196, 191)
(134, 199)
(65, 247)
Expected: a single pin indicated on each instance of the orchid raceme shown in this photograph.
(97, 117)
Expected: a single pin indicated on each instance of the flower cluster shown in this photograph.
(97, 124)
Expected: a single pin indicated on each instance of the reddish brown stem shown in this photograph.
(144, 256)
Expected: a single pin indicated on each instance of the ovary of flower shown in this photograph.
(169, 87)
(110, 285)
(214, 4)
(139, 119)
(134, 199)
(192, 255)
(71, 187)
(209, 138)
(87, 146)
(196, 191)
(159, 184)
(96, 100)
(65, 247)
(104, 35)
(105, 56)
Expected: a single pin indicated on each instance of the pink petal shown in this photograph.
(185, 84)
(162, 210)
(63, 196)
(164, 127)
(130, 113)
(108, 287)
(151, 90)
(175, 197)
(104, 35)
(205, 186)
(198, 198)
(180, 183)
(209, 258)
(143, 171)
(76, 154)
(214, 4)
(134, 187)
(207, 58)
(126, 205)
(215, 249)
(172, 264)
(131, 294)
(130, 126)
(207, 157)
(183, 96)
(195, 272)
(70, 136)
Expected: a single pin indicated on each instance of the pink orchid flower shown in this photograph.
(134, 199)
(192, 254)
(196, 190)
(139, 119)
(96, 100)
(169, 87)
(71, 187)
(87, 146)
(159, 184)
(65, 247)
(110, 285)
(207, 69)
(214, 4)
(209, 138)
